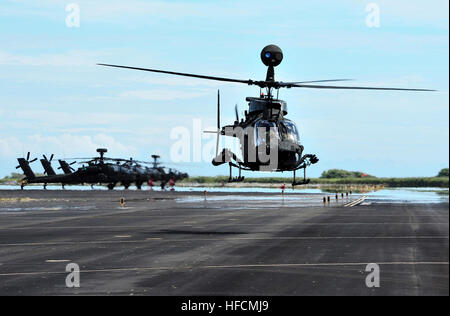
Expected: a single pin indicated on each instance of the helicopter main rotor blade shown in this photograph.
(314, 81)
(267, 84)
(355, 88)
(182, 74)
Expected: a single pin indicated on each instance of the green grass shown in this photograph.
(439, 182)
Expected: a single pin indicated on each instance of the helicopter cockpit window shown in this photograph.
(289, 132)
(262, 132)
(274, 113)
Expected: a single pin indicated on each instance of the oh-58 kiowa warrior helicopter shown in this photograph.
(265, 133)
(100, 170)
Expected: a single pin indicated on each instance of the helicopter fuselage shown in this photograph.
(268, 140)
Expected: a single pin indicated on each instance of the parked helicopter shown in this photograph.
(100, 170)
(269, 141)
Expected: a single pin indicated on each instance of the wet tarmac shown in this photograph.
(186, 243)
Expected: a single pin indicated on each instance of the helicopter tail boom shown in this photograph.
(25, 166)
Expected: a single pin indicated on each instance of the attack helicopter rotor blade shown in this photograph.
(236, 112)
(51, 157)
(72, 163)
(28, 156)
(87, 161)
(181, 74)
(32, 160)
(45, 157)
(355, 88)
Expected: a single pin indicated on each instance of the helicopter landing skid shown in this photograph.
(303, 182)
(228, 156)
(306, 161)
(240, 178)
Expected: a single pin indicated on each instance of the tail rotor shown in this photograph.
(218, 122)
(70, 164)
(48, 160)
(51, 157)
(27, 160)
(24, 164)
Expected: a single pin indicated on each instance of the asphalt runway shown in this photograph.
(173, 243)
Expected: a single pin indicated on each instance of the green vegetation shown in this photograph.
(440, 182)
(341, 177)
(14, 177)
(443, 173)
(340, 174)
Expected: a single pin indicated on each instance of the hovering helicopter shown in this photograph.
(269, 141)
(100, 170)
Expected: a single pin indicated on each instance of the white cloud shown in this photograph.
(9, 146)
(43, 118)
(69, 144)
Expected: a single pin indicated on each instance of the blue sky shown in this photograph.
(53, 99)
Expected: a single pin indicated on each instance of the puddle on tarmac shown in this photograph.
(309, 197)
